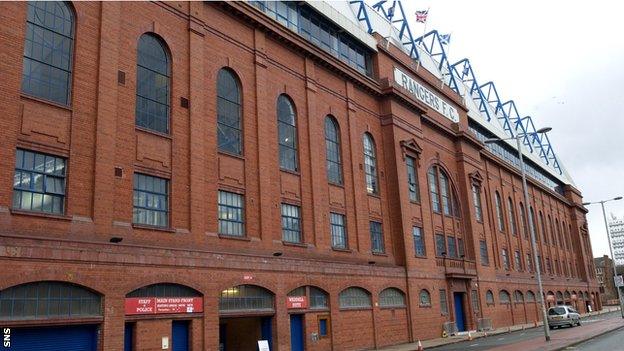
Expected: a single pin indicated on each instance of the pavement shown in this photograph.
(610, 341)
(524, 337)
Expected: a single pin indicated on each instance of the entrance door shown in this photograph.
(180, 335)
(296, 332)
(459, 311)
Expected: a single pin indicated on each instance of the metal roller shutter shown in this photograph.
(69, 338)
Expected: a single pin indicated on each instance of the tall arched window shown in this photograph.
(552, 232)
(476, 201)
(287, 133)
(564, 244)
(543, 228)
(47, 64)
(152, 87)
(499, 212)
(370, 164)
(332, 150)
(229, 120)
(524, 225)
(443, 196)
(532, 224)
(512, 217)
(489, 297)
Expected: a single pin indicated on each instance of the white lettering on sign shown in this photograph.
(6, 338)
(425, 95)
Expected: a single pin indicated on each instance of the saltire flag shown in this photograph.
(445, 39)
(421, 16)
(391, 11)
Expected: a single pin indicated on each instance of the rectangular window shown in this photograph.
(231, 214)
(452, 248)
(338, 230)
(505, 259)
(440, 245)
(377, 244)
(529, 261)
(443, 304)
(548, 267)
(485, 259)
(323, 327)
(475, 300)
(433, 190)
(151, 200)
(518, 260)
(419, 241)
(291, 223)
(412, 179)
(476, 200)
(39, 182)
(460, 247)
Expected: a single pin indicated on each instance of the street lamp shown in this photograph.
(604, 215)
(538, 274)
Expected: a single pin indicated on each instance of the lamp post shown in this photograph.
(604, 215)
(538, 274)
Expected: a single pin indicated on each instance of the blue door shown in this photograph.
(266, 330)
(459, 311)
(128, 331)
(74, 338)
(296, 332)
(180, 336)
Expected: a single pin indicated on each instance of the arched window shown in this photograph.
(518, 297)
(540, 218)
(318, 299)
(370, 164)
(152, 87)
(246, 298)
(489, 297)
(524, 224)
(48, 47)
(564, 244)
(229, 120)
(559, 298)
(332, 150)
(391, 297)
(499, 211)
(287, 133)
(48, 300)
(424, 298)
(354, 297)
(442, 192)
(512, 217)
(552, 232)
(567, 296)
(476, 201)
(503, 297)
(533, 225)
(530, 296)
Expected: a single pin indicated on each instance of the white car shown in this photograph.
(563, 315)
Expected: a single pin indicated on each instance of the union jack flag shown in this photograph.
(421, 16)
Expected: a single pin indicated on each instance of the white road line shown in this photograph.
(473, 345)
(499, 339)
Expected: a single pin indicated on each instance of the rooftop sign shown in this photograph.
(425, 95)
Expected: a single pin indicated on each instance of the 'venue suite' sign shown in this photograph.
(425, 95)
(159, 305)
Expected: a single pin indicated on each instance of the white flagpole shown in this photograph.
(423, 36)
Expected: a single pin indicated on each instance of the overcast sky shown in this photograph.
(561, 62)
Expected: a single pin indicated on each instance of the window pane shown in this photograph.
(338, 230)
(151, 200)
(37, 181)
(332, 151)
(291, 223)
(152, 93)
(377, 244)
(370, 165)
(231, 214)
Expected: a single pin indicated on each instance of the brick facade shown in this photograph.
(96, 133)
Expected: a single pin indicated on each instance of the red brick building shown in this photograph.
(200, 176)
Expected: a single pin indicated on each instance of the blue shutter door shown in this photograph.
(128, 331)
(296, 332)
(72, 338)
(180, 335)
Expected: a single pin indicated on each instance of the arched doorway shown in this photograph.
(51, 316)
(175, 310)
(245, 317)
(308, 308)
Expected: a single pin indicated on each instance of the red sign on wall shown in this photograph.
(160, 305)
(296, 302)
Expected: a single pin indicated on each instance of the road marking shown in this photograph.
(473, 345)
(499, 339)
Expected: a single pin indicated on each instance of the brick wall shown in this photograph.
(97, 133)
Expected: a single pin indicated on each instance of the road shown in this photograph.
(608, 342)
(518, 336)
